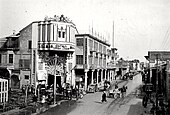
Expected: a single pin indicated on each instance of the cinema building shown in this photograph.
(32, 55)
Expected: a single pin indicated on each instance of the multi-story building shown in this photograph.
(158, 74)
(9, 63)
(93, 64)
(33, 55)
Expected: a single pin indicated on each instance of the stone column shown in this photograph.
(51, 32)
(105, 74)
(92, 75)
(40, 32)
(85, 84)
(46, 32)
(108, 74)
(97, 80)
(101, 75)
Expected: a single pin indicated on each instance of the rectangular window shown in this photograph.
(59, 34)
(48, 32)
(5, 97)
(0, 57)
(10, 58)
(0, 86)
(90, 44)
(79, 59)
(104, 49)
(63, 34)
(3, 86)
(6, 85)
(79, 41)
(100, 48)
(91, 54)
(29, 45)
(96, 55)
(26, 76)
(95, 46)
(43, 32)
(24, 64)
(2, 97)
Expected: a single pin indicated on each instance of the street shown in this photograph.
(91, 103)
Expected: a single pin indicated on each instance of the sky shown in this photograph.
(139, 25)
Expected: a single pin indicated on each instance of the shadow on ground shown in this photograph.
(62, 109)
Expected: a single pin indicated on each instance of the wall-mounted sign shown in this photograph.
(62, 47)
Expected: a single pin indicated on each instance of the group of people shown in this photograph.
(29, 89)
(117, 92)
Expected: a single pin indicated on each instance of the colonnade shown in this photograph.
(99, 75)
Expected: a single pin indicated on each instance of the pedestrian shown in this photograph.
(104, 97)
(43, 100)
(124, 91)
(35, 99)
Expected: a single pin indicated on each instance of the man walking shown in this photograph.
(124, 91)
(104, 97)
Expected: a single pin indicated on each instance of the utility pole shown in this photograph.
(55, 64)
(156, 84)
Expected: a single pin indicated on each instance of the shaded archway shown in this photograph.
(15, 82)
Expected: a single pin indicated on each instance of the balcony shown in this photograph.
(11, 49)
(7, 65)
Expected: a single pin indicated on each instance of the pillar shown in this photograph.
(92, 79)
(51, 32)
(97, 80)
(85, 84)
(101, 75)
(46, 32)
(40, 33)
(105, 74)
(112, 75)
(108, 76)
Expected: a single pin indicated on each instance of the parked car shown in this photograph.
(92, 88)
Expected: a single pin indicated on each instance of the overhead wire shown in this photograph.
(167, 42)
(165, 39)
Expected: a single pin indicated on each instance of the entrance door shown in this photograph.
(51, 80)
